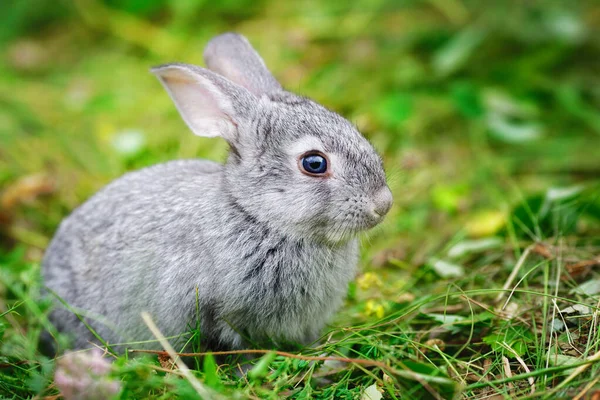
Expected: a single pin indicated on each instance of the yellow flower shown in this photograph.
(368, 280)
(374, 308)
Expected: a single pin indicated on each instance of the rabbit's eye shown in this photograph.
(313, 164)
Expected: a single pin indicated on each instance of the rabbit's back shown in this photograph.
(136, 245)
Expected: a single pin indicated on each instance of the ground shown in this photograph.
(484, 280)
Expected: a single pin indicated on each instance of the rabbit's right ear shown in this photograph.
(209, 104)
(232, 56)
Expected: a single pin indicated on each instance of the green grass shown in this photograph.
(486, 114)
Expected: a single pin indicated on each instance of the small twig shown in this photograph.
(103, 349)
(369, 363)
(200, 389)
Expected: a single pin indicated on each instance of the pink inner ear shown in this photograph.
(203, 107)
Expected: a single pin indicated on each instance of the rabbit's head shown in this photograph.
(293, 164)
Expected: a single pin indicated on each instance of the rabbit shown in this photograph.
(260, 249)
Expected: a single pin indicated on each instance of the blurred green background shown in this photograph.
(475, 105)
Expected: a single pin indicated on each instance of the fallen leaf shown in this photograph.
(485, 223)
(446, 269)
(166, 362)
(561, 359)
(543, 251)
(511, 310)
(577, 308)
(589, 288)
(557, 325)
(474, 246)
(446, 319)
(372, 393)
(581, 268)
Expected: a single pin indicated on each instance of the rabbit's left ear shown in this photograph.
(232, 56)
(209, 104)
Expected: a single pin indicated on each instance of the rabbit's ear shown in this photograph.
(209, 104)
(232, 56)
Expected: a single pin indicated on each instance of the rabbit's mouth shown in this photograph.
(342, 232)
(373, 219)
(358, 214)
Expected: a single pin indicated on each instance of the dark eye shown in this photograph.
(314, 164)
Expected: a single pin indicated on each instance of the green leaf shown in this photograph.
(261, 369)
(510, 342)
(455, 54)
(211, 377)
(447, 321)
(432, 375)
(511, 131)
(556, 211)
(184, 390)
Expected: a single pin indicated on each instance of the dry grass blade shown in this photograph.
(526, 368)
(586, 388)
(513, 275)
(508, 373)
(578, 371)
(199, 387)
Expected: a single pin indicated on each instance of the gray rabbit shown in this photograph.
(259, 249)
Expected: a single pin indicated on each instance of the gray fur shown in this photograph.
(250, 250)
(232, 56)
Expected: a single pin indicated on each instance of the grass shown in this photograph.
(482, 283)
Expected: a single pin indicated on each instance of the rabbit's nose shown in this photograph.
(382, 201)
